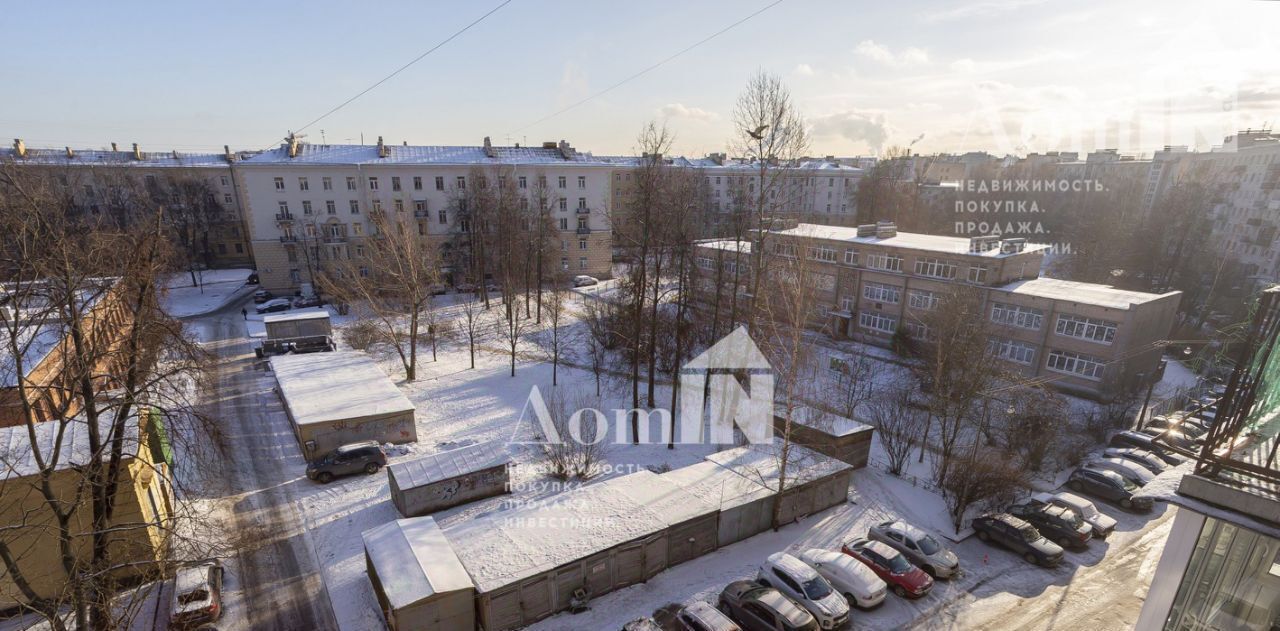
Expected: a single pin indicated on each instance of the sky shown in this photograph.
(1003, 76)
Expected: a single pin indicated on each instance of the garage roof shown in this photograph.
(717, 485)
(327, 387)
(413, 561)
(447, 464)
(759, 463)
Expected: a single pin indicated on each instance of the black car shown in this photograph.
(1108, 486)
(1056, 523)
(366, 457)
(252, 280)
(758, 608)
(1173, 438)
(1018, 536)
(1146, 442)
(302, 302)
(262, 296)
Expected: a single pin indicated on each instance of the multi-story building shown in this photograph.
(310, 203)
(870, 281)
(93, 180)
(1219, 567)
(1246, 214)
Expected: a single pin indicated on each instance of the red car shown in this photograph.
(906, 580)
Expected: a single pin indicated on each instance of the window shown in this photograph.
(462, 183)
(921, 299)
(303, 185)
(226, 199)
(399, 204)
(935, 268)
(357, 228)
(564, 263)
(918, 330)
(582, 203)
(564, 204)
(279, 183)
(420, 207)
(443, 215)
(582, 262)
(284, 209)
(787, 250)
(223, 179)
(886, 262)
(351, 184)
(395, 183)
(330, 207)
(295, 276)
(850, 257)
(977, 274)
(704, 263)
(373, 183)
(582, 181)
(1085, 366)
(847, 303)
(355, 207)
(239, 249)
(1014, 315)
(417, 182)
(1099, 331)
(582, 244)
(562, 181)
(439, 183)
(377, 205)
(306, 207)
(823, 282)
(582, 223)
(822, 253)
(522, 182)
(326, 183)
(878, 292)
(1013, 350)
(877, 322)
(564, 223)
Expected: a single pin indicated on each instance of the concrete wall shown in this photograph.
(326, 437)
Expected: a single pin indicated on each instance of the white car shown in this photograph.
(197, 595)
(701, 616)
(584, 281)
(804, 585)
(859, 583)
(1102, 524)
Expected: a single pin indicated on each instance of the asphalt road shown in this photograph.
(276, 584)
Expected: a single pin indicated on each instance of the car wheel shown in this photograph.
(897, 589)
(982, 534)
(764, 581)
(371, 468)
(1031, 558)
(324, 477)
(928, 569)
(1126, 503)
(1065, 543)
(853, 602)
(1075, 486)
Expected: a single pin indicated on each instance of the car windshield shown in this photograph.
(193, 596)
(1128, 485)
(897, 564)
(1072, 518)
(817, 588)
(1030, 534)
(929, 545)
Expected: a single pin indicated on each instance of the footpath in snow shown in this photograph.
(217, 289)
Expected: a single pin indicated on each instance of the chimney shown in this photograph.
(566, 151)
(404, 143)
(383, 150)
(550, 144)
(227, 155)
(488, 149)
(980, 244)
(19, 148)
(717, 158)
(175, 155)
(114, 147)
(1012, 246)
(70, 154)
(866, 230)
(137, 153)
(886, 229)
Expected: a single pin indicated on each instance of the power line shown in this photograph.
(647, 70)
(406, 66)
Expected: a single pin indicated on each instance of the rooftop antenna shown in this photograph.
(322, 140)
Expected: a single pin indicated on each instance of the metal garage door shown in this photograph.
(535, 597)
(629, 562)
(567, 579)
(599, 578)
(691, 539)
(655, 555)
(504, 609)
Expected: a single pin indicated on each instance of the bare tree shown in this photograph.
(898, 425)
(392, 281)
(557, 342)
(581, 430)
(600, 318)
(988, 480)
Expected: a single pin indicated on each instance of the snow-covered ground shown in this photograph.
(214, 290)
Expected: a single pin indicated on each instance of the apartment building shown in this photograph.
(1246, 215)
(310, 203)
(94, 180)
(872, 280)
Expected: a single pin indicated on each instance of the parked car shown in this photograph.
(805, 585)
(1146, 442)
(1102, 525)
(348, 460)
(1108, 486)
(584, 281)
(252, 280)
(1185, 425)
(274, 305)
(438, 289)
(262, 296)
(1018, 536)
(857, 581)
(1127, 469)
(197, 595)
(1056, 523)
(1172, 438)
(642, 624)
(921, 548)
(758, 608)
(701, 616)
(302, 302)
(905, 579)
(1146, 459)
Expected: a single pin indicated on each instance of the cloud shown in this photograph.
(979, 9)
(880, 53)
(804, 69)
(866, 128)
(680, 110)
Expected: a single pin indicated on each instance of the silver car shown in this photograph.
(921, 548)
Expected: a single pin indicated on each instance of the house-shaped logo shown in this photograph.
(712, 378)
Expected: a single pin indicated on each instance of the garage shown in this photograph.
(828, 433)
(746, 506)
(333, 399)
(442, 480)
(814, 481)
(417, 578)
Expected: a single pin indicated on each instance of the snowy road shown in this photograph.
(276, 583)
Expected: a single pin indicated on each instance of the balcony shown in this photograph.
(289, 238)
(332, 238)
(422, 214)
(584, 230)
(583, 211)
(284, 216)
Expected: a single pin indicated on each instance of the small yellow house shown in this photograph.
(144, 503)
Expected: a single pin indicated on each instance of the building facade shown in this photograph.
(872, 281)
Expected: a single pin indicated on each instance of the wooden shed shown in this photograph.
(438, 481)
(528, 563)
(417, 578)
(334, 399)
(836, 436)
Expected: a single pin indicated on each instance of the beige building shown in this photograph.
(872, 281)
(308, 204)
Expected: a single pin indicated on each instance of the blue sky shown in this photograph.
(996, 75)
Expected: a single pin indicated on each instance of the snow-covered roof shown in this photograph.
(717, 485)
(98, 157)
(326, 387)
(17, 458)
(904, 240)
(293, 316)
(823, 421)
(422, 154)
(760, 463)
(34, 343)
(413, 561)
(508, 546)
(1084, 293)
(447, 464)
(730, 245)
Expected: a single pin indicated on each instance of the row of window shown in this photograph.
(326, 182)
(419, 205)
(1065, 362)
(1100, 331)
